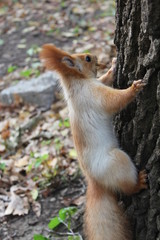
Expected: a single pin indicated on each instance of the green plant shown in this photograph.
(2, 166)
(34, 49)
(64, 123)
(58, 144)
(86, 51)
(73, 154)
(37, 161)
(27, 73)
(11, 69)
(40, 160)
(39, 237)
(34, 194)
(36, 72)
(45, 142)
(3, 10)
(64, 217)
(63, 4)
(76, 30)
(109, 12)
(1, 42)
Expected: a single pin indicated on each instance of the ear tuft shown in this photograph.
(62, 62)
(52, 56)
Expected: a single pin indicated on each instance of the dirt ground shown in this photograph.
(75, 26)
(24, 227)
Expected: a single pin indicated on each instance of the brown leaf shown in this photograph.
(52, 162)
(79, 201)
(5, 134)
(14, 179)
(36, 207)
(2, 148)
(64, 113)
(22, 162)
(4, 126)
(17, 206)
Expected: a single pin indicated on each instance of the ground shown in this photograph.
(39, 173)
(25, 227)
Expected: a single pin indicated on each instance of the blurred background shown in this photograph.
(39, 174)
(75, 26)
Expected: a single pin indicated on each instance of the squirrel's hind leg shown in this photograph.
(125, 174)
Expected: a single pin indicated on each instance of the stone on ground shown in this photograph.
(38, 91)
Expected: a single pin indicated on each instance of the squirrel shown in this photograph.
(92, 103)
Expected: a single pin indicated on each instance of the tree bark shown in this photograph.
(138, 126)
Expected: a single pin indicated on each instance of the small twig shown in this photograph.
(32, 123)
(71, 233)
(62, 234)
(65, 224)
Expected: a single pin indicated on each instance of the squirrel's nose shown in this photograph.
(100, 65)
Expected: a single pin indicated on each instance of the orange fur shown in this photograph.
(107, 168)
(79, 141)
(102, 210)
(53, 56)
(53, 60)
(115, 100)
(108, 77)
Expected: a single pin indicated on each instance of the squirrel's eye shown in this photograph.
(88, 58)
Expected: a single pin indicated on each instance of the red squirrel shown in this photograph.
(92, 104)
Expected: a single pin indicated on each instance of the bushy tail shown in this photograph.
(104, 219)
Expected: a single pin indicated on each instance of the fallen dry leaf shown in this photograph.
(14, 179)
(34, 194)
(22, 162)
(52, 163)
(2, 148)
(2, 208)
(17, 206)
(64, 113)
(36, 207)
(79, 201)
(4, 125)
(5, 134)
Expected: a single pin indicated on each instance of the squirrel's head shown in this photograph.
(70, 66)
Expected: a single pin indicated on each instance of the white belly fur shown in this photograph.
(97, 130)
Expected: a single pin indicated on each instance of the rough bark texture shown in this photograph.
(138, 127)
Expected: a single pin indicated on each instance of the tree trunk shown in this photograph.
(138, 126)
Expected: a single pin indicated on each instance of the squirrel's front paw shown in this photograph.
(110, 76)
(138, 85)
(114, 63)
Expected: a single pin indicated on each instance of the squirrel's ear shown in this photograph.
(68, 61)
(57, 60)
